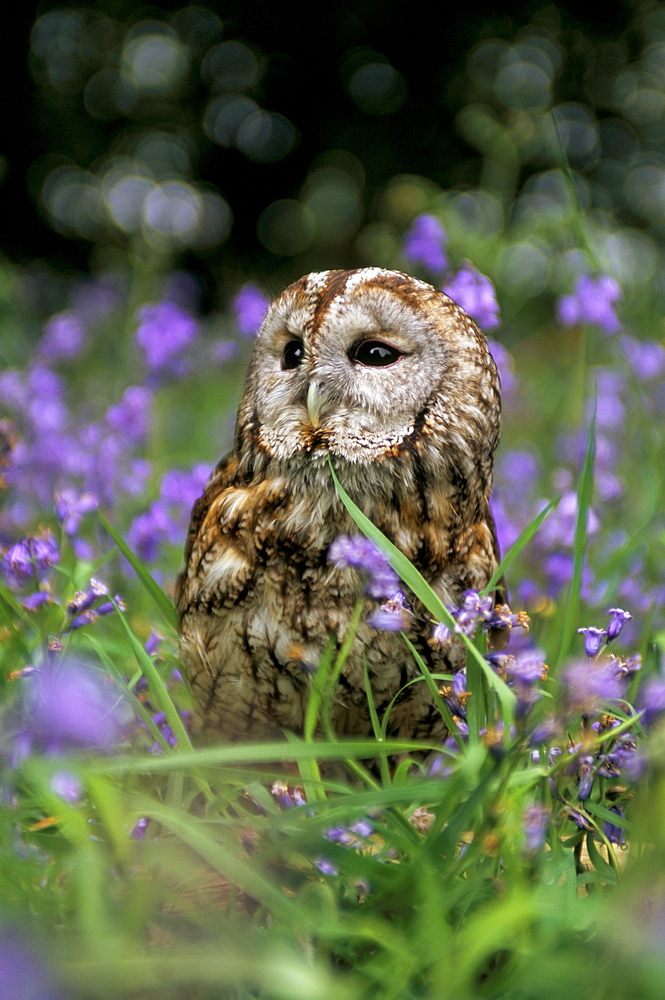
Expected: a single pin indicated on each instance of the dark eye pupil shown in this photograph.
(293, 354)
(376, 354)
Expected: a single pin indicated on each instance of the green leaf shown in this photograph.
(584, 497)
(161, 601)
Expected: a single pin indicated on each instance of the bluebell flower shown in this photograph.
(475, 293)
(250, 306)
(164, 332)
(64, 337)
(617, 622)
(590, 685)
(23, 973)
(594, 639)
(392, 616)
(425, 244)
(593, 301)
(66, 704)
(536, 821)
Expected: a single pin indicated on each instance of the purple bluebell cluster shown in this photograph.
(164, 333)
(593, 301)
(478, 611)
(67, 704)
(475, 293)
(166, 518)
(250, 305)
(425, 244)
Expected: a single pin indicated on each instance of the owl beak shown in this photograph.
(317, 403)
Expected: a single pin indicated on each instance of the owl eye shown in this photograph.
(375, 354)
(293, 354)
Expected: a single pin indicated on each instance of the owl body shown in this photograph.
(395, 384)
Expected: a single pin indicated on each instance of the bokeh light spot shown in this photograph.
(286, 227)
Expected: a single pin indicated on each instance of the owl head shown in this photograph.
(365, 364)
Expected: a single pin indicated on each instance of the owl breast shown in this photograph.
(394, 384)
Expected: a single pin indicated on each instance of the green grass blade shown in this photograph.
(157, 687)
(416, 582)
(161, 601)
(584, 497)
(520, 543)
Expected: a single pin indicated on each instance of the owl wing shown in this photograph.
(223, 476)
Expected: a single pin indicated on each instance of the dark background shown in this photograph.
(307, 45)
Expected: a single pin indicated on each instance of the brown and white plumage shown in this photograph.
(412, 441)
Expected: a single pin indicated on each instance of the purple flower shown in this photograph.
(250, 306)
(31, 557)
(590, 685)
(617, 622)
(180, 489)
(652, 699)
(64, 337)
(67, 786)
(23, 974)
(592, 302)
(391, 616)
(70, 506)
(440, 634)
(68, 704)
(425, 244)
(362, 554)
(139, 828)
(594, 638)
(646, 357)
(149, 531)
(131, 416)
(36, 600)
(615, 833)
(164, 332)
(474, 292)
(326, 867)
(536, 820)
(527, 668)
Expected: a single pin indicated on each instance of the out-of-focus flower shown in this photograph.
(70, 506)
(67, 786)
(67, 704)
(31, 557)
(474, 292)
(131, 416)
(164, 332)
(645, 357)
(167, 517)
(590, 685)
(593, 301)
(23, 974)
(326, 867)
(425, 244)
(64, 337)
(536, 820)
(652, 699)
(250, 306)
(362, 554)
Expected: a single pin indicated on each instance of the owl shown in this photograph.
(392, 381)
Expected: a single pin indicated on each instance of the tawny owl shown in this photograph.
(393, 381)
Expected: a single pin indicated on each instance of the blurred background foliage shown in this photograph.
(277, 139)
